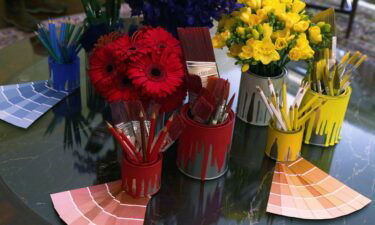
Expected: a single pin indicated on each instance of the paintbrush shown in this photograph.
(161, 138)
(198, 52)
(204, 107)
(174, 132)
(228, 108)
(194, 86)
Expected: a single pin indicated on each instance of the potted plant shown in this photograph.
(263, 36)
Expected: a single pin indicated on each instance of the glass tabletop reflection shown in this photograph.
(69, 147)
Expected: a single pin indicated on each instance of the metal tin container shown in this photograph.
(283, 146)
(203, 150)
(250, 107)
(324, 126)
(141, 180)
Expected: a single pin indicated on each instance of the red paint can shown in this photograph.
(140, 180)
(203, 150)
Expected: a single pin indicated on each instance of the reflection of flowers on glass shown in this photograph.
(146, 66)
(185, 13)
(69, 110)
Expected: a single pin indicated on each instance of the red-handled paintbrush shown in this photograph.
(203, 107)
(124, 146)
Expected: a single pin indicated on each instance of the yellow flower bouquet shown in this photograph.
(264, 35)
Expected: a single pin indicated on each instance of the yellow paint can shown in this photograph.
(283, 145)
(324, 126)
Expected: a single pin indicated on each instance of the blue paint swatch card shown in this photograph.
(22, 104)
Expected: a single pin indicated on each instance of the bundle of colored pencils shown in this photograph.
(334, 79)
(294, 118)
(63, 43)
(209, 105)
(135, 130)
(96, 14)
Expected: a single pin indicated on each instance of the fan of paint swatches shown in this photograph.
(300, 189)
(101, 204)
(22, 104)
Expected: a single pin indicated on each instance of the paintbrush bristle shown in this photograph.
(194, 84)
(204, 107)
(211, 83)
(219, 91)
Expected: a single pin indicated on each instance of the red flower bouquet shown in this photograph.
(147, 66)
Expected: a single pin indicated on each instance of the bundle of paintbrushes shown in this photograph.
(334, 79)
(295, 117)
(63, 43)
(135, 129)
(209, 105)
(198, 52)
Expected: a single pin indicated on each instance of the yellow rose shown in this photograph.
(287, 2)
(274, 6)
(315, 34)
(302, 50)
(267, 30)
(234, 50)
(225, 35)
(245, 13)
(253, 20)
(218, 41)
(254, 4)
(265, 51)
(247, 52)
(301, 26)
(298, 6)
(240, 30)
(294, 54)
(262, 14)
(291, 37)
(281, 43)
(285, 33)
(245, 68)
(290, 19)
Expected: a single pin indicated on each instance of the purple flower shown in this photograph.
(171, 14)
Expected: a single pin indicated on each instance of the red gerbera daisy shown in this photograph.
(125, 49)
(158, 39)
(105, 78)
(123, 90)
(173, 101)
(102, 70)
(157, 75)
(140, 32)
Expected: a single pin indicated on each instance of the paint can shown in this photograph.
(141, 180)
(324, 126)
(284, 146)
(66, 76)
(250, 107)
(203, 150)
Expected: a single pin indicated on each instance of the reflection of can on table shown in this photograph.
(203, 150)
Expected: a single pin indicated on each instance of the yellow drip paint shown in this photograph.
(283, 145)
(328, 119)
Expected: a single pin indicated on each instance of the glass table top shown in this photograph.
(69, 147)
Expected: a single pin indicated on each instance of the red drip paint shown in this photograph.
(147, 175)
(197, 136)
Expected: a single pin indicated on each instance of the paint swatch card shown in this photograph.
(101, 204)
(300, 189)
(22, 104)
